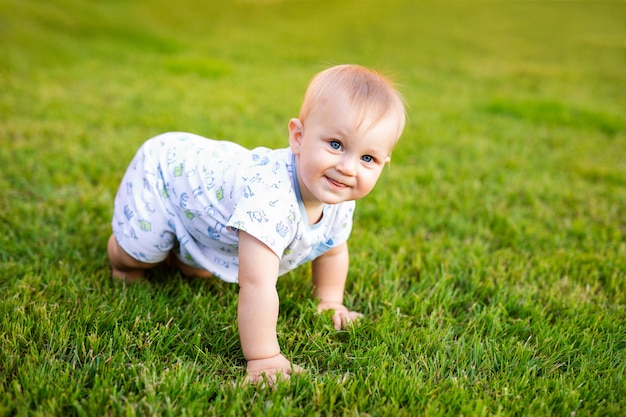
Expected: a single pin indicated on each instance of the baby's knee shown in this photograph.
(121, 260)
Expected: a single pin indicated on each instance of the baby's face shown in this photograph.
(339, 159)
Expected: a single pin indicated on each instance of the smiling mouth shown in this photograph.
(336, 184)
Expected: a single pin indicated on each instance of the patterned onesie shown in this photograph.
(193, 195)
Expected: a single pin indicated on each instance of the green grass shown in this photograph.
(490, 260)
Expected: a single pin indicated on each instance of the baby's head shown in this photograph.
(370, 96)
(349, 123)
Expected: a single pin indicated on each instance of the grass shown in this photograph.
(490, 260)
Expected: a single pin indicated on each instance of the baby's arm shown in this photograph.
(258, 310)
(330, 271)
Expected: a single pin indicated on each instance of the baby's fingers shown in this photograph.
(296, 369)
(264, 378)
(341, 320)
(271, 376)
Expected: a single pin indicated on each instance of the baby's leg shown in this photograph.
(123, 265)
(186, 270)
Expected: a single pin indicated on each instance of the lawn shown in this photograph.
(489, 261)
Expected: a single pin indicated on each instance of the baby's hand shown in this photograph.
(269, 370)
(342, 316)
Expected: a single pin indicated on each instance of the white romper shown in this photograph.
(192, 194)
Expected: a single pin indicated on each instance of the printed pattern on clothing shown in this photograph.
(193, 195)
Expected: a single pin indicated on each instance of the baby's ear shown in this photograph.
(296, 130)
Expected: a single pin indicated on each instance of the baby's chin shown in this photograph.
(336, 200)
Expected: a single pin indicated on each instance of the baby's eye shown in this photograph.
(336, 145)
(367, 158)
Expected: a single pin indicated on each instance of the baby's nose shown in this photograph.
(347, 166)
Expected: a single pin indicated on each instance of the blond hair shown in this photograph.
(371, 95)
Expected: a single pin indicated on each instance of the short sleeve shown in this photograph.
(268, 214)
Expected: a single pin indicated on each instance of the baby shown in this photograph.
(214, 208)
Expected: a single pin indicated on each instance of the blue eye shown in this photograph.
(335, 145)
(367, 158)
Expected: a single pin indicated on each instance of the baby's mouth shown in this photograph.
(336, 183)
